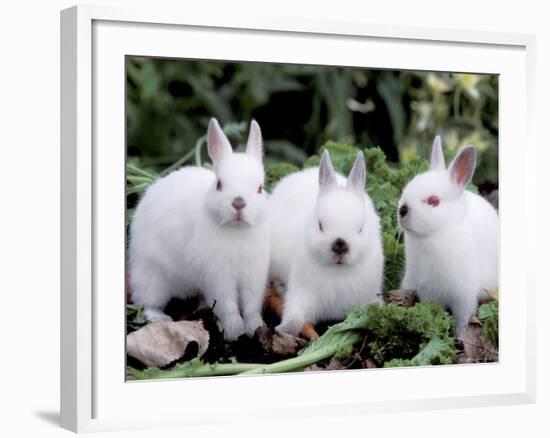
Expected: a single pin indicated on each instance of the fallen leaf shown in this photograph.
(476, 347)
(402, 297)
(314, 367)
(283, 344)
(160, 343)
(369, 363)
(333, 365)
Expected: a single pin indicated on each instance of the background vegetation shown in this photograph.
(300, 107)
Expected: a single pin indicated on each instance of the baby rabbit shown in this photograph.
(325, 244)
(202, 230)
(451, 236)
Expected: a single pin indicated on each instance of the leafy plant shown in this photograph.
(277, 171)
(135, 318)
(436, 352)
(393, 333)
(488, 315)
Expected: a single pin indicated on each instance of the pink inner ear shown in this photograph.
(463, 167)
(461, 171)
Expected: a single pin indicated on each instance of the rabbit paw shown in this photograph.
(252, 323)
(155, 315)
(232, 328)
(292, 327)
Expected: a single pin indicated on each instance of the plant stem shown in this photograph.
(206, 370)
(178, 163)
(137, 189)
(139, 179)
(135, 169)
(295, 363)
(197, 150)
(456, 102)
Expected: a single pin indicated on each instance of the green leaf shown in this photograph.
(135, 317)
(488, 315)
(435, 352)
(396, 332)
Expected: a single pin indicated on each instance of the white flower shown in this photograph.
(468, 83)
(438, 83)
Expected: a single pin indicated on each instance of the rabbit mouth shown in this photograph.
(239, 220)
(403, 223)
(405, 227)
(340, 260)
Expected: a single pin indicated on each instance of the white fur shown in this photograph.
(185, 237)
(451, 249)
(301, 256)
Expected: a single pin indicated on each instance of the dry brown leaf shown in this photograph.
(369, 363)
(283, 344)
(333, 365)
(314, 367)
(476, 347)
(402, 297)
(160, 343)
(286, 344)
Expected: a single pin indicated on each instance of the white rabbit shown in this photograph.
(201, 230)
(451, 236)
(325, 244)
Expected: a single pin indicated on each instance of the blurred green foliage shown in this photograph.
(300, 107)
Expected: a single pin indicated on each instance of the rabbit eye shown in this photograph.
(260, 188)
(320, 227)
(360, 230)
(219, 186)
(433, 201)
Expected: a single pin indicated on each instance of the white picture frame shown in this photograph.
(94, 41)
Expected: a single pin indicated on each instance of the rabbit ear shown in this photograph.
(462, 167)
(218, 144)
(254, 144)
(358, 174)
(327, 176)
(437, 161)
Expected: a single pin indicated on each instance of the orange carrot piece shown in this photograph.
(276, 304)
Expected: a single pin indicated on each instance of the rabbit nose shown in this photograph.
(340, 246)
(238, 203)
(403, 210)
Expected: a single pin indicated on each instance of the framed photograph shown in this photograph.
(259, 208)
